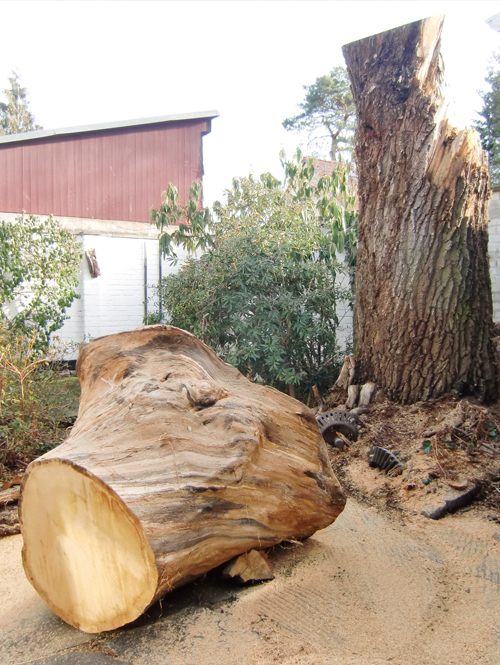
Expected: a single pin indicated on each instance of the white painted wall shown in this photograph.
(344, 313)
(114, 301)
(344, 330)
(494, 253)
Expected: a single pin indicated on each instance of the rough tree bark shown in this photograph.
(423, 312)
(176, 464)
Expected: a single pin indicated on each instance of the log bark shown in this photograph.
(423, 312)
(176, 464)
(10, 495)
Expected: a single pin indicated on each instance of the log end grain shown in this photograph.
(84, 551)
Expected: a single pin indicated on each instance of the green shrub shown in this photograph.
(264, 294)
(40, 265)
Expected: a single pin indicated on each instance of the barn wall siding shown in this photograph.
(116, 174)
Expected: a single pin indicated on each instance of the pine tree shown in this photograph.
(328, 112)
(489, 125)
(15, 117)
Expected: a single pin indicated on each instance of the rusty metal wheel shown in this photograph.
(336, 422)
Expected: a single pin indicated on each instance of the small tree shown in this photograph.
(328, 113)
(40, 267)
(489, 125)
(15, 117)
(264, 294)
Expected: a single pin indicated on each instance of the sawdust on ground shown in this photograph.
(446, 447)
(383, 584)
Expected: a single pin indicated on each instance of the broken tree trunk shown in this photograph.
(176, 464)
(423, 312)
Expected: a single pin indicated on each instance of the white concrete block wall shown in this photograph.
(345, 327)
(114, 301)
(153, 261)
(494, 253)
(153, 272)
(72, 333)
(344, 313)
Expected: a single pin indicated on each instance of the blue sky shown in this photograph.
(92, 62)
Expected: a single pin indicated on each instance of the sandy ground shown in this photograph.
(369, 589)
(383, 584)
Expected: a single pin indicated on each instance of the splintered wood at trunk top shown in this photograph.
(176, 464)
(423, 312)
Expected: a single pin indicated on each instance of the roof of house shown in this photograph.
(46, 133)
(327, 167)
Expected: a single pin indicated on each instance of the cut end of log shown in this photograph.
(84, 551)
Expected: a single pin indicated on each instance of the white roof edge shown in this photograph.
(494, 22)
(44, 133)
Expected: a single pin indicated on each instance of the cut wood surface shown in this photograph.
(352, 396)
(176, 464)
(367, 391)
(252, 566)
(346, 375)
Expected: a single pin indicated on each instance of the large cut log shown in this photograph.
(176, 464)
(423, 311)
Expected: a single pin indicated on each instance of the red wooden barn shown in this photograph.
(100, 182)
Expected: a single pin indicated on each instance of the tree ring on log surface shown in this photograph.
(84, 550)
(333, 422)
